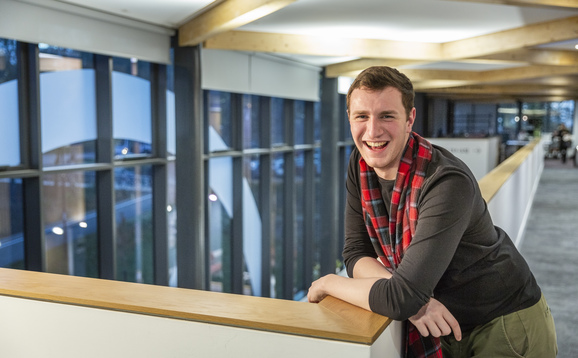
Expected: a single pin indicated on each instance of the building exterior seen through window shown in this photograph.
(11, 205)
(9, 112)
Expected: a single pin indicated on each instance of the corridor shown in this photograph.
(550, 246)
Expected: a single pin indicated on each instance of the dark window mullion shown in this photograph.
(105, 178)
(237, 224)
(190, 170)
(330, 122)
(289, 203)
(308, 197)
(265, 195)
(206, 189)
(159, 144)
(31, 155)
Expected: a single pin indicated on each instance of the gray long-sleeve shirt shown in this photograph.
(457, 255)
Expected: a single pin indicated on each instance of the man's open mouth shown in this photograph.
(376, 145)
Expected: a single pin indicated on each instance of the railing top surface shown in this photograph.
(330, 319)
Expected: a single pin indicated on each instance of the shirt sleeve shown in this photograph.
(444, 212)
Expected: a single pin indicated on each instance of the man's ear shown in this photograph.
(411, 119)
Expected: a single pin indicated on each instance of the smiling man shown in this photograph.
(420, 244)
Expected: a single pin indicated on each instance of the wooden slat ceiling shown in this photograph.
(536, 72)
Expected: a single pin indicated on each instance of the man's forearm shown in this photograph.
(366, 272)
(369, 267)
(352, 290)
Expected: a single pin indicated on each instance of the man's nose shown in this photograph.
(373, 128)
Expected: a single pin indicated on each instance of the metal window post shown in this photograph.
(330, 116)
(190, 169)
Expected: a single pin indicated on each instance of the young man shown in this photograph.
(420, 244)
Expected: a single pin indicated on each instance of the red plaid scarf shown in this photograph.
(400, 225)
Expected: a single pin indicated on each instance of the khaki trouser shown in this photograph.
(528, 333)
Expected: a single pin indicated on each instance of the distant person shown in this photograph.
(565, 140)
(420, 244)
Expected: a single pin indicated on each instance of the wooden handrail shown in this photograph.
(493, 181)
(331, 319)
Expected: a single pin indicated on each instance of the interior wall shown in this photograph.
(259, 74)
(84, 30)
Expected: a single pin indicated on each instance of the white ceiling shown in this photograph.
(409, 21)
(167, 13)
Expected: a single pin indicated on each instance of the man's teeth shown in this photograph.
(376, 144)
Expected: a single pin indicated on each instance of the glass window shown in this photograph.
(219, 104)
(11, 224)
(559, 113)
(474, 120)
(171, 109)
(171, 175)
(508, 118)
(9, 121)
(277, 222)
(172, 223)
(317, 119)
(533, 114)
(299, 126)
(220, 212)
(252, 227)
(133, 215)
(67, 101)
(69, 207)
(251, 136)
(277, 122)
(8, 59)
(171, 124)
(131, 108)
(345, 128)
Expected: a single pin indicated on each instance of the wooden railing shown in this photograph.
(329, 323)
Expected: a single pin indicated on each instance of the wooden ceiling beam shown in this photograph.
(501, 89)
(517, 91)
(513, 39)
(226, 16)
(480, 46)
(352, 68)
(436, 79)
(538, 57)
(323, 46)
(570, 4)
(526, 72)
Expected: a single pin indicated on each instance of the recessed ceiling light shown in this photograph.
(576, 47)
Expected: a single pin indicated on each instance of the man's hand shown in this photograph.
(435, 319)
(317, 291)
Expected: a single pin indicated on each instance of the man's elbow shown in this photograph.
(398, 311)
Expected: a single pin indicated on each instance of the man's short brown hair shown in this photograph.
(376, 78)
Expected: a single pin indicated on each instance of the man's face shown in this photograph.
(380, 128)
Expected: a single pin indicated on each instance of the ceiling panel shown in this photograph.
(169, 13)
